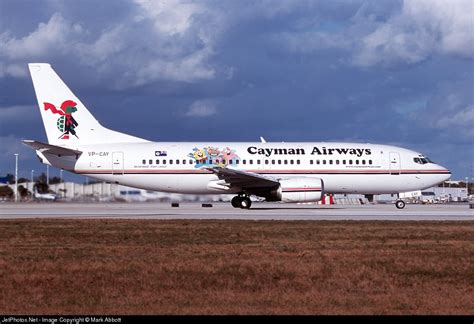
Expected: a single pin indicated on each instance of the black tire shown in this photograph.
(235, 202)
(245, 203)
(400, 204)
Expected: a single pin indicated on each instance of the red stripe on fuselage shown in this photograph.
(300, 189)
(188, 171)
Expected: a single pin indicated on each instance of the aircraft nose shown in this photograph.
(445, 173)
(447, 176)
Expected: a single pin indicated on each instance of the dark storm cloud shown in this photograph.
(373, 71)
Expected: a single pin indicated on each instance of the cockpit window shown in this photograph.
(422, 160)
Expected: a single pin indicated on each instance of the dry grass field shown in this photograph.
(236, 267)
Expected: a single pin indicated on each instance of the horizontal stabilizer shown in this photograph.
(51, 149)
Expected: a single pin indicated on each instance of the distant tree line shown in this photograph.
(40, 185)
(41, 178)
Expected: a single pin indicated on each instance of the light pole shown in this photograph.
(467, 186)
(61, 180)
(32, 181)
(16, 177)
(47, 175)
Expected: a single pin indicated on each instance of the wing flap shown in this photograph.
(245, 180)
(51, 149)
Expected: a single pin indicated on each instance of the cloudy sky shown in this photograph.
(389, 72)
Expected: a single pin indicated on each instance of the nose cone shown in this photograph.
(444, 174)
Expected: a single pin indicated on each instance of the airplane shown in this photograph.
(44, 196)
(288, 172)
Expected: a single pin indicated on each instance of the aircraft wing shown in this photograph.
(51, 149)
(252, 183)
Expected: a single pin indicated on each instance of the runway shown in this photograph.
(222, 211)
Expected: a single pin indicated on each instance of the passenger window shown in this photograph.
(190, 161)
(250, 161)
(279, 161)
(177, 161)
(297, 161)
(324, 161)
(184, 161)
(258, 161)
(266, 161)
(237, 161)
(273, 161)
(357, 162)
(143, 161)
(318, 162)
(343, 161)
(363, 161)
(330, 161)
(285, 161)
(150, 161)
(157, 161)
(337, 161)
(310, 161)
(171, 161)
(244, 161)
(164, 161)
(292, 162)
(370, 162)
(350, 162)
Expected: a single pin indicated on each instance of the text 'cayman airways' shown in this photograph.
(301, 151)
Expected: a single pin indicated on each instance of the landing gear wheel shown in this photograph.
(400, 204)
(241, 201)
(245, 203)
(235, 202)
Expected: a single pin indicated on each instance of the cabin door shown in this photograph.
(395, 163)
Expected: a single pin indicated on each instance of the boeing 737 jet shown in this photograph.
(288, 172)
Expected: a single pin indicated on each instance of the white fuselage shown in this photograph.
(181, 167)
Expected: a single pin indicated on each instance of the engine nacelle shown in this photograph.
(301, 189)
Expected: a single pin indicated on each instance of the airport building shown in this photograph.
(108, 192)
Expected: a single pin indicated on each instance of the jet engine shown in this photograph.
(300, 189)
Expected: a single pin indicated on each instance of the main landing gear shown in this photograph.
(241, 201)
(400, 204)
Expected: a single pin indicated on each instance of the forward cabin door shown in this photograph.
(394, 163)
(117, 163)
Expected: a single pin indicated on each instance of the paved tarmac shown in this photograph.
(221, 211)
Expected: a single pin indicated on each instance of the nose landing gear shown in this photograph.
(241, 201)
(400, 204)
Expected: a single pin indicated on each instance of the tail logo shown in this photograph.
(66, 123)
